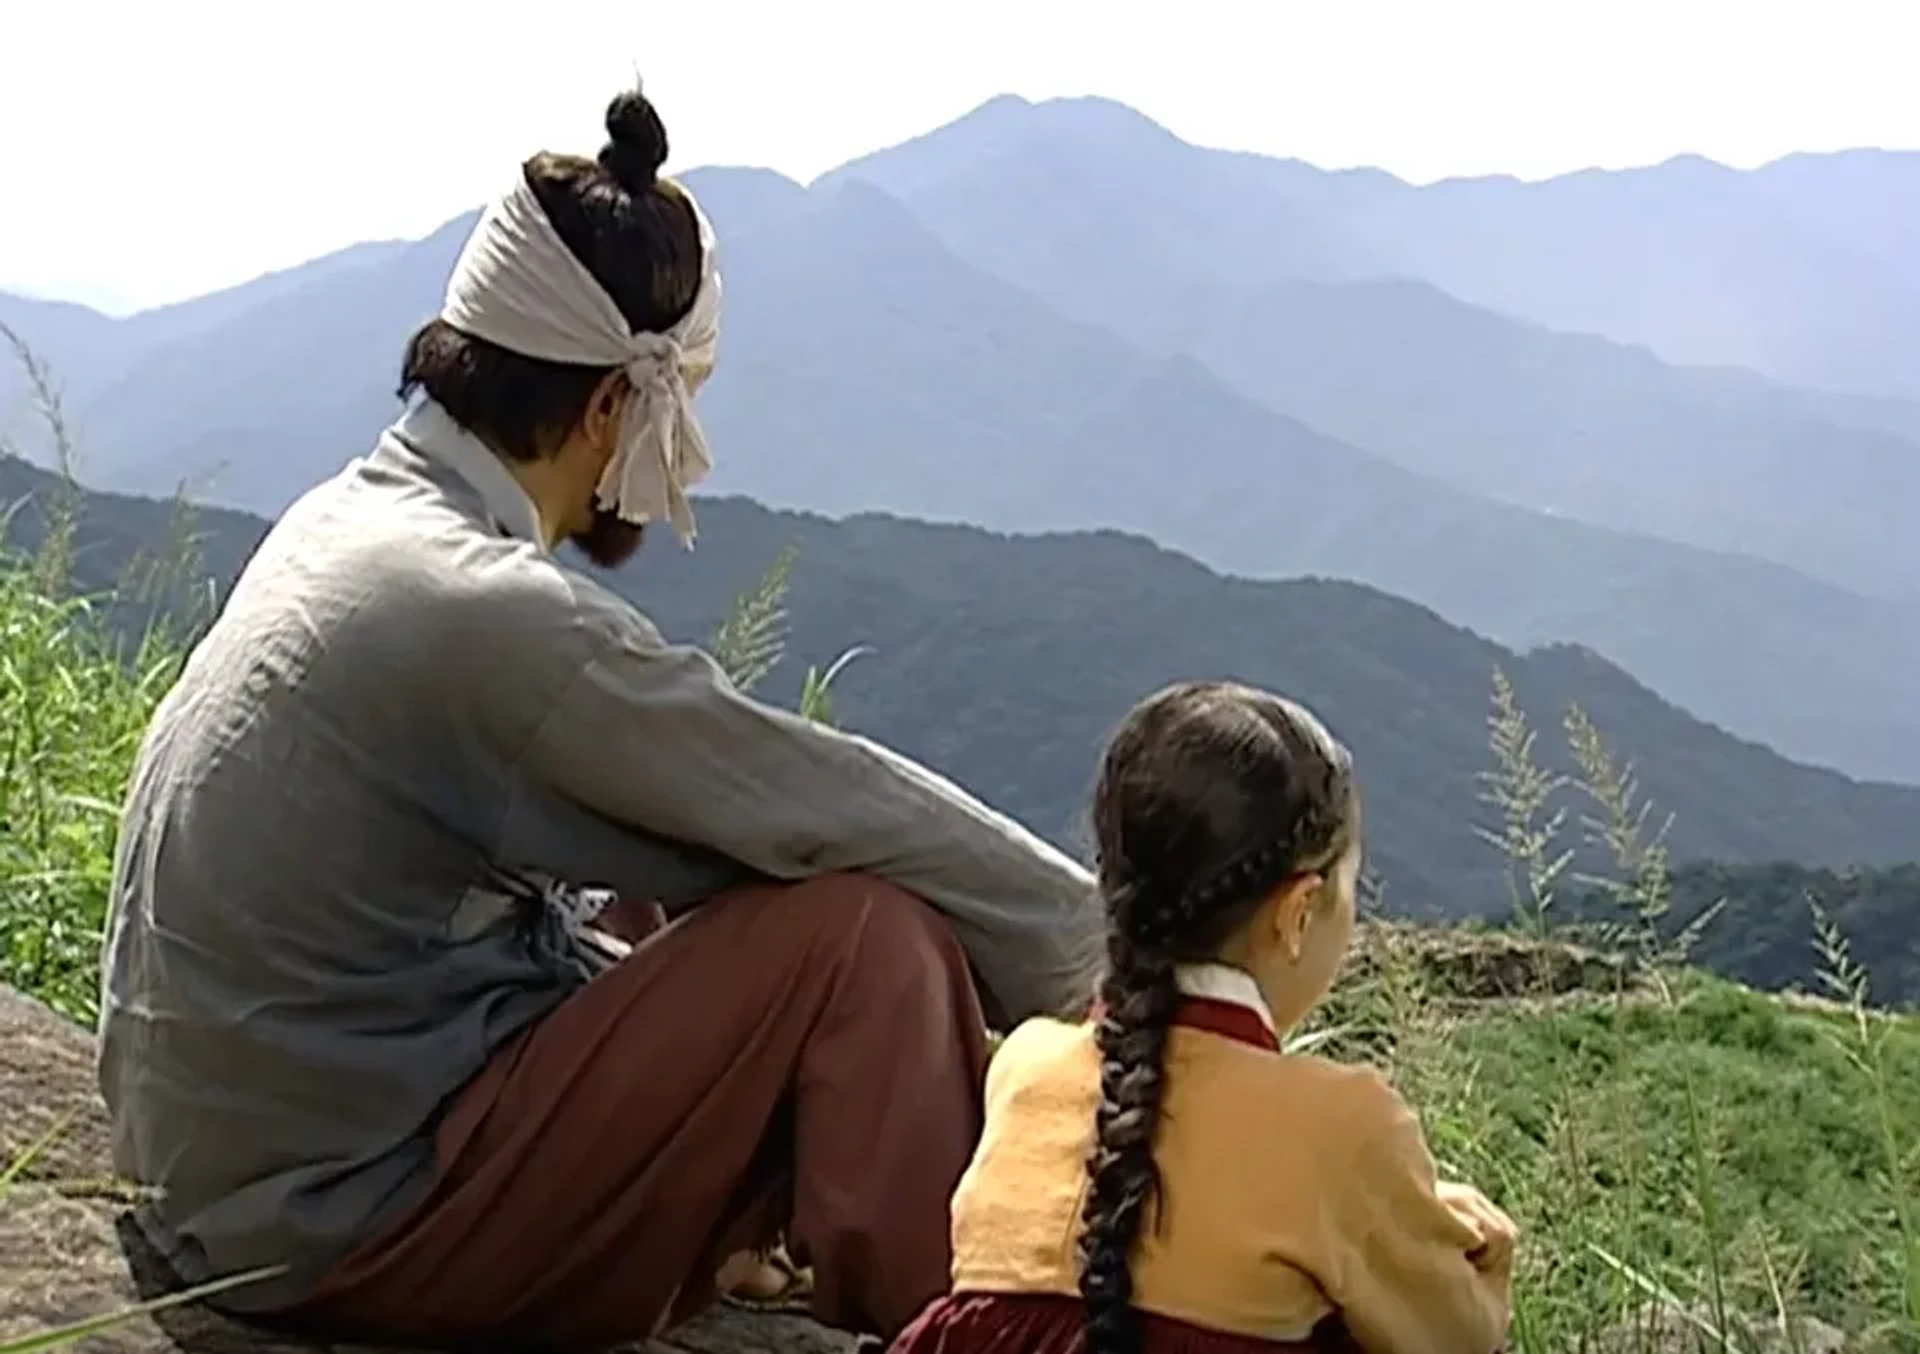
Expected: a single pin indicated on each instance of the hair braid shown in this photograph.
(1139, 997)
(1211, 796)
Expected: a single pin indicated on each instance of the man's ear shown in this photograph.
(602, 418)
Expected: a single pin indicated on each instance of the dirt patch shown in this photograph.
(47, 1082)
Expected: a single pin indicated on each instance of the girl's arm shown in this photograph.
(1403, 1258)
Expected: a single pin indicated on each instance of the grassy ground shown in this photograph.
(1678, 1143)
(1776, 1195)
(1682, 1154)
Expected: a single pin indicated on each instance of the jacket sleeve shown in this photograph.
(654, 736)
(1399, 1270)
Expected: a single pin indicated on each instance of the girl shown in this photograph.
(1165, 1178)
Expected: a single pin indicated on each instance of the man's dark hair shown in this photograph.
(638, 237)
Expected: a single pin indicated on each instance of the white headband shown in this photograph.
(518, 285)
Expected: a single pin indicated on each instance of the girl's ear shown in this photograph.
(1291, 909)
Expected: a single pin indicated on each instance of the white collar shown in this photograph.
(1224, 982)
(432, 432)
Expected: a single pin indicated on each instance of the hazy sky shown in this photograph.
(156, 150)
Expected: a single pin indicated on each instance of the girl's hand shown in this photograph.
(1497, 1233)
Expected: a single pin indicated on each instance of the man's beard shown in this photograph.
(610, 542)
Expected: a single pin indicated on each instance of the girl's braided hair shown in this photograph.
(1211, 796)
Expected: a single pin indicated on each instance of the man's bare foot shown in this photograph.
(739, 1269)
(766, 1280)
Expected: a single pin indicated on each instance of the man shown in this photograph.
(361, 1023)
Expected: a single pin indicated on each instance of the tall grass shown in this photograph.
(73, 705)
(1695, 1167)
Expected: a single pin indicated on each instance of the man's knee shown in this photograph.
(879, 912)
(884, 926)
(902, 966)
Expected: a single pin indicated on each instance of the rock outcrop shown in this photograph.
(1465, 965)
(68, 1253)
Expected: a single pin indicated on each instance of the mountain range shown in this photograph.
(1803, 269)
(1011, 688)
(1058, 316)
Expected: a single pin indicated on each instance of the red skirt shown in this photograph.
(1046, 1323)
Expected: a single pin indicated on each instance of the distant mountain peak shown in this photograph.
(735, 178)
(1083, 110)
(1850, 157)
(999, 106)
(1089, 120)
(871, 222)
(736, 197)
(1096, 112)
(1008, 123)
